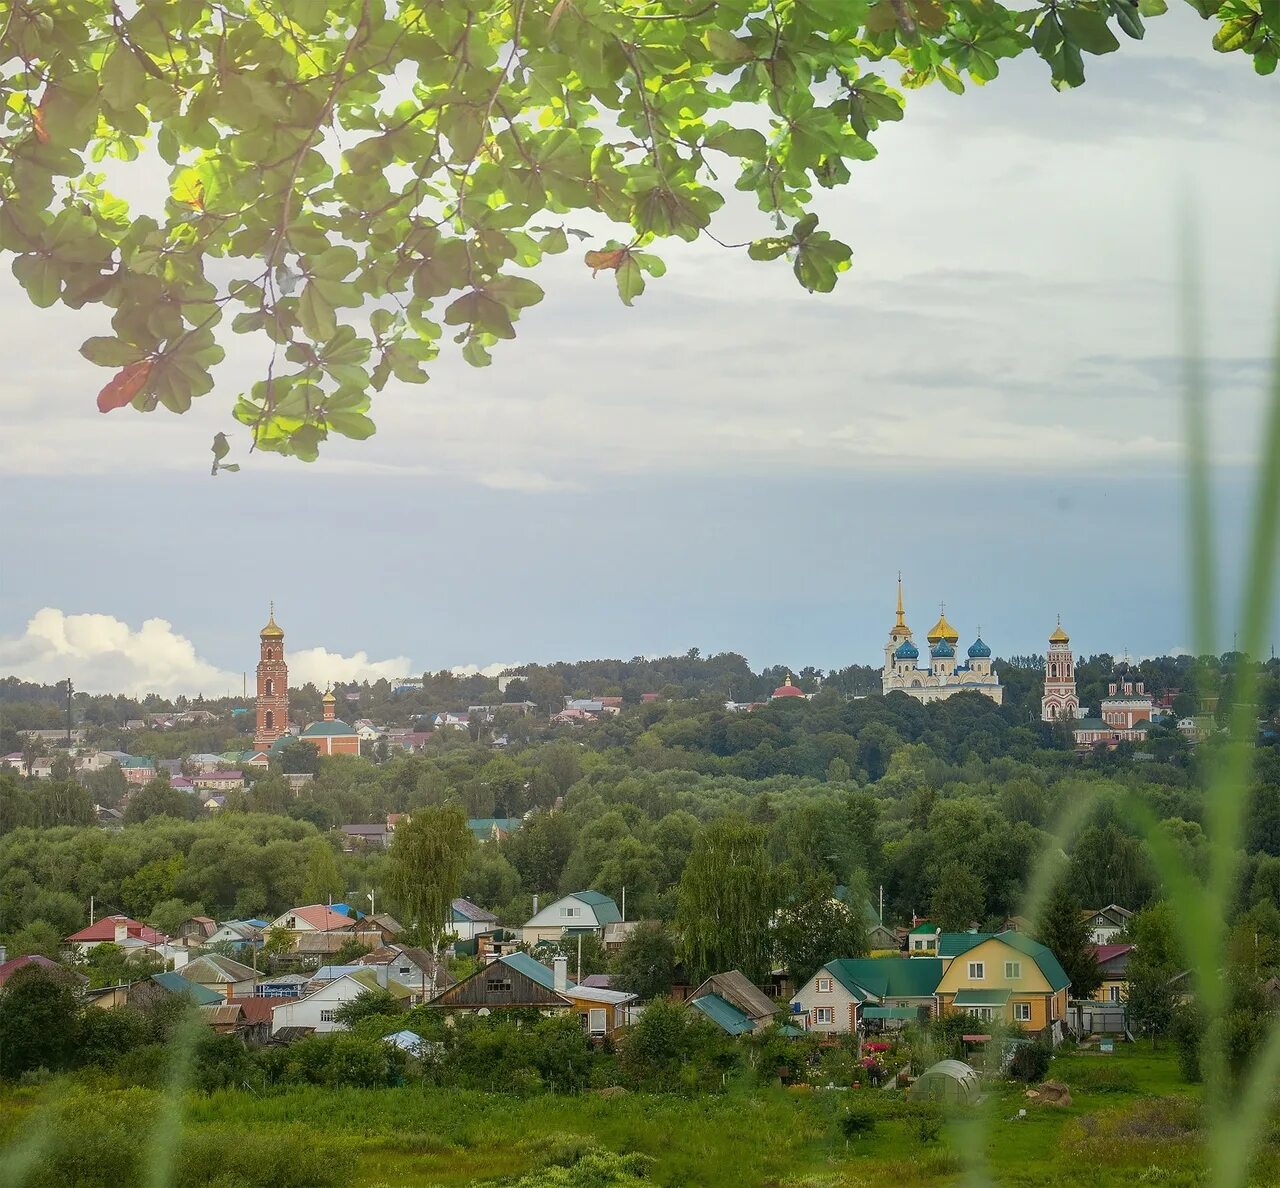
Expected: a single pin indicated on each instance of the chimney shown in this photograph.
(4, 954)
(122, 931)
(561, 973)
(535, 903)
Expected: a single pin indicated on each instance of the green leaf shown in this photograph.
(123, 79)
(1088, 30)
(316, 314)
(349, 424)
(736, 142)
(515, 292)
(726, 47)
(1235, 34)
(111, 352)
(40, 277)
(336, 263)
(770, 249)
(630, 280)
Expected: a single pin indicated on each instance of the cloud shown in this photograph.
(488, 670)
(103, 654)
(321, 667)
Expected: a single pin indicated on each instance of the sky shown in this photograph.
(989, 403)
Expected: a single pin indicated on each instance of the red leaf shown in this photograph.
(126, 384)
(37, 122)
(602, 259)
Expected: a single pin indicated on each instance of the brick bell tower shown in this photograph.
(1060, 699)
(273, 685)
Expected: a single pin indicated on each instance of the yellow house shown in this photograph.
(1007, 978)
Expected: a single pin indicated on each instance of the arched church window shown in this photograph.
(269, 720)
(270, 687)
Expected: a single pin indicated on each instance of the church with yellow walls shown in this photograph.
(943, 677)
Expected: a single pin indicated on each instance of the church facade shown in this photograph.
(944, 677)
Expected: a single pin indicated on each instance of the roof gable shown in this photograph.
(741, 993)
(1053, 972)
(888, 977)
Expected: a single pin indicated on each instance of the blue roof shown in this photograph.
(978, 648)
(177, 984)
(906, 651)
(723, 1014)
(532, 969)
(942, 648)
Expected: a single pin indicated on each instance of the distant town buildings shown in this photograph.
(944, 677)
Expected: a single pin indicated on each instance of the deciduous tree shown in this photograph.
(425, 866)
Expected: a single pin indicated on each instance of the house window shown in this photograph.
(983, 1013)
(403, 971)
(326, 1016)
(1113, 993)
(823, 1015)
(977, 971)
(596, 1020)
(1022, 1012)
(269, 720)
(498, 985)
(1012, 970)
(824, 985)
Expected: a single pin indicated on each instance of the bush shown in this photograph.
(856, 1122)
(248, 1158)
(1187, 1029)
(1030, 1062)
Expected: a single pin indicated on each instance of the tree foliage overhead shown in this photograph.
(352, 180)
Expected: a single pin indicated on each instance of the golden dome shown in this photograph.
(1059, 636)
(272, 629)
(943, 630)
(329, 698)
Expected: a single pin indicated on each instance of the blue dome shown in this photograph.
(978, 648)
(907, 651)
(942, 648)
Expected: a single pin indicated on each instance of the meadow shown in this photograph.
(1131, 1121)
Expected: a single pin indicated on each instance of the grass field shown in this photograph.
(1131, 1122)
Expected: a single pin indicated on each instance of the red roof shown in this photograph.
(320, 917)
(788, 691)
(105, 930)
(258, 1009)
(11, 967)
(1106, 952)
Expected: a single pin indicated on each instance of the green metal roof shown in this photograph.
(135, 761)
(970, 996)
(606, 910)
(532, 969)
(952, 944)
(884, 1012)
(1053, 972)
(318, 729)
(177, 984)
(887, 977)
(923, 928)
(723, 1014)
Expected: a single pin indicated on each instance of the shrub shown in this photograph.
(856, 1122)
(1030, 1062)
(246, 1158)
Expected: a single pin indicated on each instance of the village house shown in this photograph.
(733, 1003)
(196, 931)
(1113, 962)
(518, 981)
(315, 1012)
(585, 911)
(850, 991)
(218, 781)
(467, 920)
(116, 930)
(494, 829)
(1007, 978)
(229, 978)
(238, 934)
(414, 968)
(1107, 923)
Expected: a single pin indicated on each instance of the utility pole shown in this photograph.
(579, 978)
(624, 905)
(881, 903)
(91, 909)
(70, 690)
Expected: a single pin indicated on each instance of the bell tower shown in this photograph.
(273, 685)
(1060, 699)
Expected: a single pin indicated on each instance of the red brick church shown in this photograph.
(330, 736)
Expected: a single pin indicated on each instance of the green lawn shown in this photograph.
(1131, 1122)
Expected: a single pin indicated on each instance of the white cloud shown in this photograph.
(489, 670)
(322, 667)
(103, 654)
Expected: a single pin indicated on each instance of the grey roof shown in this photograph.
(741, 993)
(467, 910)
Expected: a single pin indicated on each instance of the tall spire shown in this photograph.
(902, 621)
